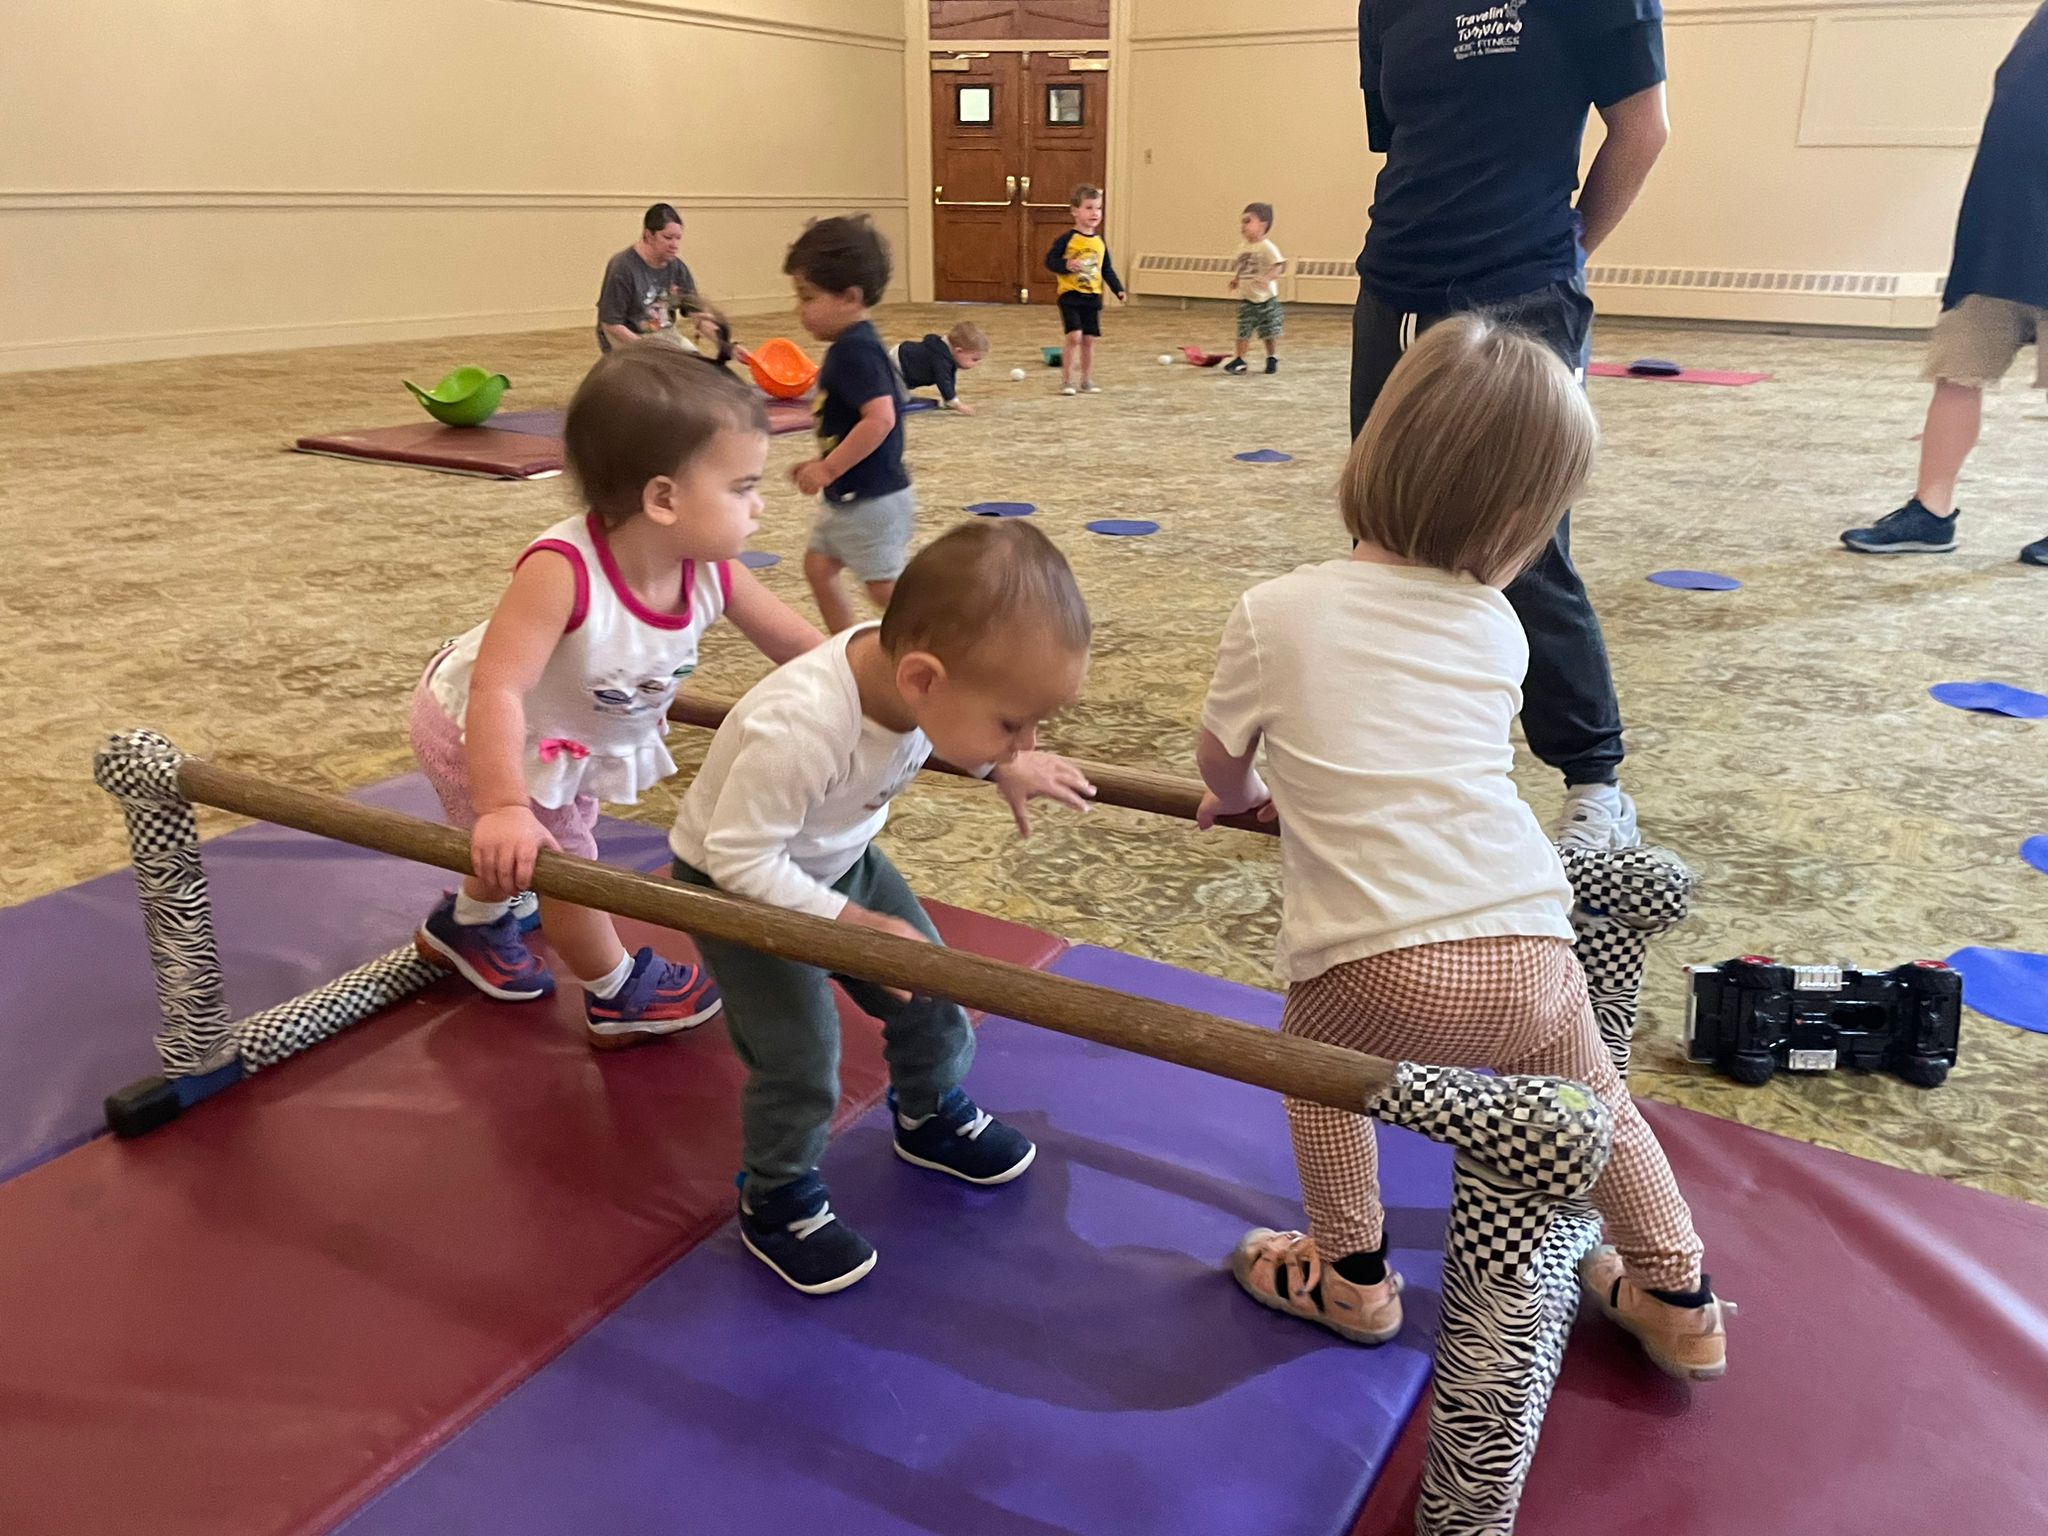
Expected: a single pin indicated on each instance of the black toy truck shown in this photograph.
(1751, 1016)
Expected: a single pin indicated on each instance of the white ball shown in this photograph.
(1016, 375)
(1166, 359)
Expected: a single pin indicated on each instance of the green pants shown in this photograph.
(785, 1030)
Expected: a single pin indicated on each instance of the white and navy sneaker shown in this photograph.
(964, 1140)
(1912, 530)
(793, 1231)
(1598, 818)
(2035, 553)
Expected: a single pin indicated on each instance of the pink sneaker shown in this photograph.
(660, 998)
(1690, 1343)
(1282, 1270)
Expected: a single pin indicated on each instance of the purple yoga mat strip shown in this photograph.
(290, 911)
(1062, 1356)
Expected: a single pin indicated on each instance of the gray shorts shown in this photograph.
(872, 537)
(1975, 342)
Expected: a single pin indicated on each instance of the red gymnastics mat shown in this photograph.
(253, 1319)
(480, 451)
(1683, 376)
(1887, 1376)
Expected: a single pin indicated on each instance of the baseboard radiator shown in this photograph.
(1886, 300)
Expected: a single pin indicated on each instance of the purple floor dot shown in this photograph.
(759, 559)
(1001, 508)
(1264, 456)
(2035, 851)
(1123, 527)
(1993, 698)
(1695, 581)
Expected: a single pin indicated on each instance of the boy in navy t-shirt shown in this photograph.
(839, 268)
(1479, 107)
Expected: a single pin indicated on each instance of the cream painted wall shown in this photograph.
(180, 178)
(1814, 136)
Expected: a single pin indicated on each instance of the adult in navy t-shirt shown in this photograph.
(1480, 108)
(857, 370)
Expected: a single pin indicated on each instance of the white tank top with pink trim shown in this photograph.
(596, 719)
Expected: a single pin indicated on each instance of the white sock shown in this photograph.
(909, 1124)
(471, 913)
(609, 983)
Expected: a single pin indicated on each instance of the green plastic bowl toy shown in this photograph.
(466, 398)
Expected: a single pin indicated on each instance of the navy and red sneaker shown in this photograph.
(492, 957)
(660, 998)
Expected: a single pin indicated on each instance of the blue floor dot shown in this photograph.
(759, 559)
(1264, 456)
(1695, 581)
(1993, 698)
(1001, 508)
(2035, 851)
(1123, 527)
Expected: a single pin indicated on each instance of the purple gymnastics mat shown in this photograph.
(78, 1003)
(1061, 1356)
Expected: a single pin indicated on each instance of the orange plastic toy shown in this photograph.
(781, 369)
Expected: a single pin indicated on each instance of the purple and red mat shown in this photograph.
(291, 911)
(1063, 1354)
(338, 1265)
(1888, 1372)
(513, 445)
(1683, 376)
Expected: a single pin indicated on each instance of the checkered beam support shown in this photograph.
(196, 1039)
(1624, 896)
(1528, 1151)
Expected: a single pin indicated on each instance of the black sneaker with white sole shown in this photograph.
(2035, 553)
(1235, 365)
(793, 1231)
(964, 1140)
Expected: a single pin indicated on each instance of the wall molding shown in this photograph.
(27, 201)
(154, 346)
(726, 21)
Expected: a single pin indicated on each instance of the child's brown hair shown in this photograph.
(1082, 193)
(838, 254)
(1472, 453)
(1263, 212)
(643, 412)
(978, 582)
(968, 337)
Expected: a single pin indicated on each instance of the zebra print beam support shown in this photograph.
(201, 1049)
(1624, 896)
(140, 769)
(1528, 1151)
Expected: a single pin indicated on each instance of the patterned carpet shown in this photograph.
(169, 564)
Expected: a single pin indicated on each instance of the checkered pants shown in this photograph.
(1518, 1005)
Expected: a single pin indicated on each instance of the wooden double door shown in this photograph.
(1012, 135)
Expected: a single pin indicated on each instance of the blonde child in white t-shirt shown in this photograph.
(1425, 914)
(560, 700)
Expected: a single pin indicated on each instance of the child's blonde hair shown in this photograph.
(1473, 451)
(645, 411)
(968, 337)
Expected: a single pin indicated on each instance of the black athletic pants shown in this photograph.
(1569, 712)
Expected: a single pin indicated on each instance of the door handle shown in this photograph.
(940, 200)
(1027, 190)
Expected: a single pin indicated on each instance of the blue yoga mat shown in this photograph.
(1062, 1356)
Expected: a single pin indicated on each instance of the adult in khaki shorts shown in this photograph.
(1996, 302)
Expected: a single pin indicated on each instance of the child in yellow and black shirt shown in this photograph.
(1081, 258)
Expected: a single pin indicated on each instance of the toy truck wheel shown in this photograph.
(1924, 1071)
(1751, 1068)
